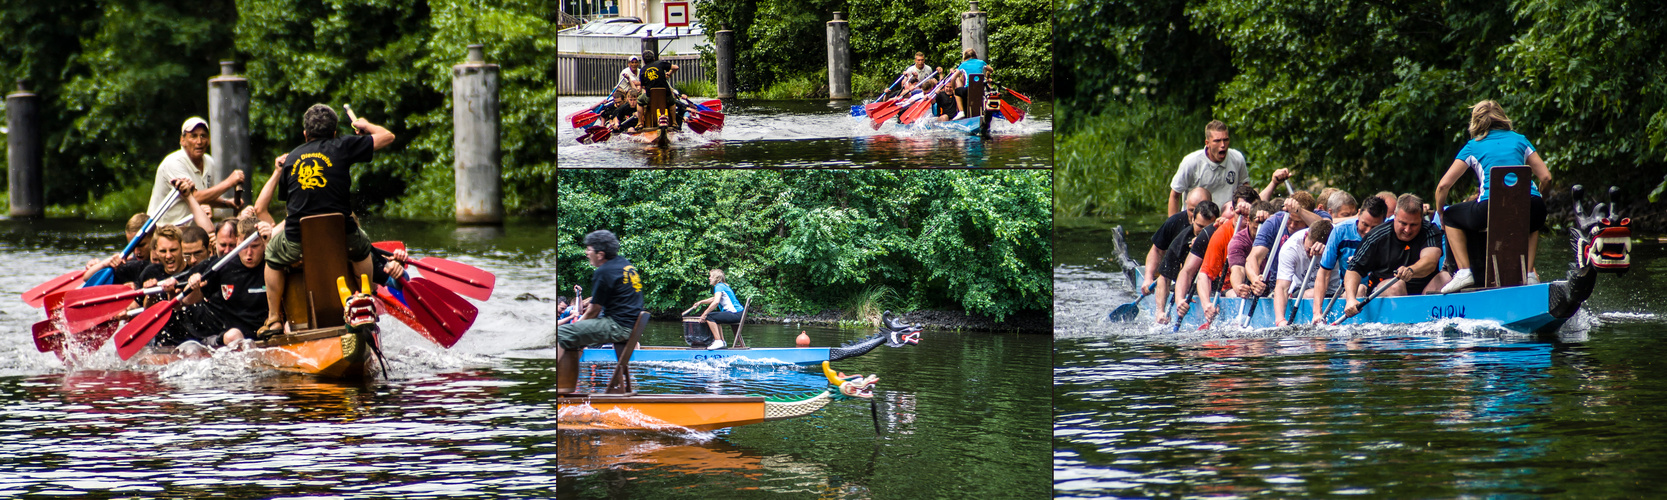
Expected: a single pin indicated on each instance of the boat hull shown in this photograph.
(332, 353)
(658, 138)
(1526, 309)
(794, 355)
(656, 411)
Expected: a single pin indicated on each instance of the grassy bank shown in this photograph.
(1121, 161)
(815, 86)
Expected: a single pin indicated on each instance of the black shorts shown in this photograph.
(724, 318)
(1473, 215)
(194, 322)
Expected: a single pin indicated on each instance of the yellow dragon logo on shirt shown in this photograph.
(309, 172)
(631, 277)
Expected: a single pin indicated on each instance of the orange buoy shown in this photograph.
(803, 340)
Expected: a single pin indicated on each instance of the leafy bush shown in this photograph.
(804, 241)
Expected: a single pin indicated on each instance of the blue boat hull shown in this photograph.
(1525, 309)
(764, 355)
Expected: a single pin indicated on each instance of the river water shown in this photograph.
(961, 415)
(1460, 409)
(477, 420)
(814, 133)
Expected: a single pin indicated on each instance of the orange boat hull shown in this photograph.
(656, 412)
(328, 353)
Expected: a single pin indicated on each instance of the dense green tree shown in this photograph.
(777, 40)
(1372, 95)
(117, 78)
(802, 241)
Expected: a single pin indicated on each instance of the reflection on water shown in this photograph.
(476, 420)
(816, 134)
(961, 414)
(1429, 411)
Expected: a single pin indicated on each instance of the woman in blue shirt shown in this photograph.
(1492, 144)
(722, 307)
(970, 65)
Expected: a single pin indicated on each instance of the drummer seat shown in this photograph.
(620, 383)
(1505, 257)
(567, 368)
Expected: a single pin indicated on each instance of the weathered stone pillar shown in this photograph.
(839, 57)
(726, 64)
(23, 153)
(228, 127)
(973, 23)
(474, 113)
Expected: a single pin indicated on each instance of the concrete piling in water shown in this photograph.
(726, 64)
(650, 49)
(839, 57)
(973, 32)
(474, 112)
(23, 153)
(228, 128)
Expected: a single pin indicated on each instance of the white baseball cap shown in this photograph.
(191, 124)
(634, 59)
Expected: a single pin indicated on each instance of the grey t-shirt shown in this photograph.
(1196, 170)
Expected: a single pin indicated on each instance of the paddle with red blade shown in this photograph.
(696, 124)
(594, 134)
(586, 116)
(137, 333)
(1012, 114)
(1018, 95)
(715, 104)
(458, 277)
(442, 314)
(37, 295)
(48, 337)
(919, 108)
(87, 307)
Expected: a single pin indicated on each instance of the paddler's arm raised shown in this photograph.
(381, 136)
(1279, 176)
(198, 215)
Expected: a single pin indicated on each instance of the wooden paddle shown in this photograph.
(458, 277)
(1382, 287)
(137, 333)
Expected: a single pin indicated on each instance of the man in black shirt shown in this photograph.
(1166, 234)
(316, 181)
(615, 301)
(1203, 217)
(236, 294)
(658, 75)
(1409, 248)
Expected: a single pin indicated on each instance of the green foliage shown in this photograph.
(116, 79)
(1374, 95)
(1107, 53)
(779, 41)
(804, 241)
(1121, 161)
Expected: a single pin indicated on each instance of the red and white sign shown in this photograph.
(677, 14)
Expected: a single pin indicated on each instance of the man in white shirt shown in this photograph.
(1217, 168)
(630, 77)
(193, 163)
(1294, 280)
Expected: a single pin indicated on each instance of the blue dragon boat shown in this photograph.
(1602, 244)
(892, 334)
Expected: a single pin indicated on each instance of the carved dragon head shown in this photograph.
(851, 386)
(1602, 240)
(898, 333)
